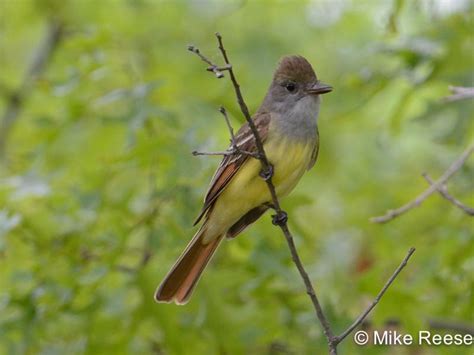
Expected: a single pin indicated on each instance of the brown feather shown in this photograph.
(295, 67)
(250, 217)
(230, 164)
(183, 277)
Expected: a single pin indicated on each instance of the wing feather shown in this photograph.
(230, 164)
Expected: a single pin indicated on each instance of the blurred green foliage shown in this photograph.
(98, 189)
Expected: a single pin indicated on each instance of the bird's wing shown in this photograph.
(230, 164)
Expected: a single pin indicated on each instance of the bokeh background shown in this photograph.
(98, 187)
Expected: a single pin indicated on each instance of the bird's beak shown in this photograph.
(319, 88)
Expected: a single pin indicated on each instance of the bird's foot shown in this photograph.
(266, 174)
(280, 218)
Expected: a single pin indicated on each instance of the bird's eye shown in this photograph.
(290, 87)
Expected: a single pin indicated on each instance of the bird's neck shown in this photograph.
(300, 120)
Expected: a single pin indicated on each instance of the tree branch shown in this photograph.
(40, 59)
(366, 312)
(443, 191)
(229, 127)
(234, 150)
(391, 214)
(459, 93)
(226, 153)
(218, 71)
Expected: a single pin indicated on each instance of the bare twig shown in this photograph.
(366, 312)
(391, 214)
(231, 151)
(218, 71)
(234, 150)
(443, 191)
(459, 93)
(40, 59)
(224, 153)
(229, 127)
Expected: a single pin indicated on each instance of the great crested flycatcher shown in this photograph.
(238, 196)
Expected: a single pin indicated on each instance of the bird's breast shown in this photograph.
(290, 159)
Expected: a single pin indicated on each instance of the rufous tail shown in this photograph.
(180, 281)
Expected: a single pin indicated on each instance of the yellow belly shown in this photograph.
(248, 190)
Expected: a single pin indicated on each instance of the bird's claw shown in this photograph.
(266, 174)
(280, 218)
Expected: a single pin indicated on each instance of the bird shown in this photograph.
(237, 195)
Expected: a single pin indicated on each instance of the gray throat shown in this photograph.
(300, 121)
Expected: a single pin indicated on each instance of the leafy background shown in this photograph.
(98, 189)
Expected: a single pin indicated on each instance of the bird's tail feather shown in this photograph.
(180, 281)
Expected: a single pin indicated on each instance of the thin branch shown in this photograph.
(229, 127)
(234, 149)
(443, 191)
(231, 151)
(16, 99)
(391, 214)
(212, 67)
(223, 153)
(366, 312)
(459, 93)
